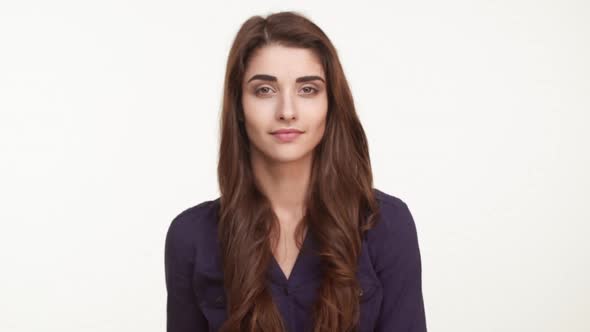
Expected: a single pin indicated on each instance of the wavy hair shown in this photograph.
(340, 204)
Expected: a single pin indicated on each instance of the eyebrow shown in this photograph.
(271, 78)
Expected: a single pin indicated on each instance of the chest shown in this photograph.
(294, 281)
(286, 253)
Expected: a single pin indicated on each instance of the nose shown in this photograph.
(287, 109)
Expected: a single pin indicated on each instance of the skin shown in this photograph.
(283, 169)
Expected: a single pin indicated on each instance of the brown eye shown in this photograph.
(313, 90)
(263, 90)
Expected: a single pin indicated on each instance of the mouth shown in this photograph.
(287, 135)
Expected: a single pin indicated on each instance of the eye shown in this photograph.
(263, 90)
(313, 90)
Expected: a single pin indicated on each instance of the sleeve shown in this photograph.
(399, 270)
(182, 311)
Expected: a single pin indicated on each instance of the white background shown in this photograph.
(477, 114)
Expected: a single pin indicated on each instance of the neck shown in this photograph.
(284, 183)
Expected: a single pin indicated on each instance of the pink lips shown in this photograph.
(287, 134)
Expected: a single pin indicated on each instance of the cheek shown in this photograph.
(255, 114)
(317, 118)
(320, 129)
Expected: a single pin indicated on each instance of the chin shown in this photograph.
(287, 156)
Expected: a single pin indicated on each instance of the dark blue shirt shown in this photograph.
(389, 274)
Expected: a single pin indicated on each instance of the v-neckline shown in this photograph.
(278, 271)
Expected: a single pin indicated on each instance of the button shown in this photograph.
(360, 292)
(219, 299)
(286, 290)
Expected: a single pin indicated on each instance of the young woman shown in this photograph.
(299, 240)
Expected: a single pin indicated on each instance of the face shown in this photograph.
(284, 88)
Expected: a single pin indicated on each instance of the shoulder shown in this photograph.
(394, 235)
(389, 201)
(394, 213)
(189, 225)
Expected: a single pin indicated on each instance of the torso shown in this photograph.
(286, 252)
(197, 227)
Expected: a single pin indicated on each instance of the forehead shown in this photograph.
(284, 62)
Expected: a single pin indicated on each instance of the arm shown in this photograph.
(398, 266)
(183, 313)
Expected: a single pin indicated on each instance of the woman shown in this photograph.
(298, 240)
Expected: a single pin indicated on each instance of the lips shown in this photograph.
(286, 134)
(286, 131)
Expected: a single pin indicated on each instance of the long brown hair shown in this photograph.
(340, 202)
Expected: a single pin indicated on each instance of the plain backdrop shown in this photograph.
(477, 115)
